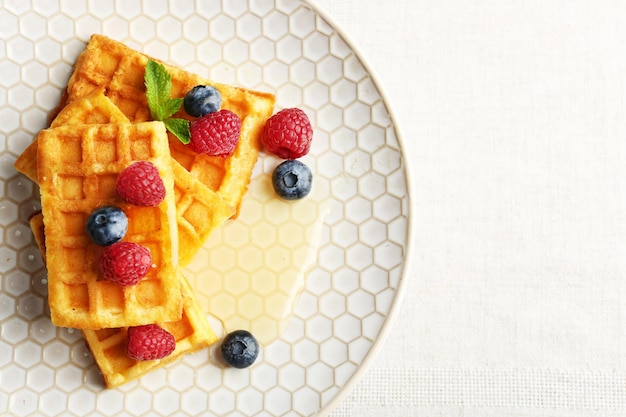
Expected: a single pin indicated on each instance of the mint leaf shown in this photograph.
(158, 89)
(171, 106)
(179, 128)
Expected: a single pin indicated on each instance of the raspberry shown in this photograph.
(216, 133)
(149, 342)
(125, 263)
(288, 134)
(141, 185)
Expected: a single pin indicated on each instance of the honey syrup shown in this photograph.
(251, 271)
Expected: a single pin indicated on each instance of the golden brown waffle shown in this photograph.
(36, 225)
(94, 108)
(109, 64)
(77, 169)
(199, 210)
(107, 346)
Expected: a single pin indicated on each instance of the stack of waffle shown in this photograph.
(102, 125)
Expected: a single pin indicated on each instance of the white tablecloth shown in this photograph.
(513, 113)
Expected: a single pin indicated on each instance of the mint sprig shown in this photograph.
(162, 107)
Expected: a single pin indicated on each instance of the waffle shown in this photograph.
(36, 225)
(95, 108)
(199, 210)
(107, 346)
(77, 169)
(120, 70)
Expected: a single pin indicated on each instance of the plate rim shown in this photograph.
(408, 259)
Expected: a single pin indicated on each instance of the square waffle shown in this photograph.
(120, 70)
(77, 169)
(199, 210)
(107, 346)
(94, 108)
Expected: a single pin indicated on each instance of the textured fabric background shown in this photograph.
(513, 114)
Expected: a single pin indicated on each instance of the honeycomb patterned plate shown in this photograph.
(338, 255)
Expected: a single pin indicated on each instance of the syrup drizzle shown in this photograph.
(250, 273)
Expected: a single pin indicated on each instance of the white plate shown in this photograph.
(351, 294)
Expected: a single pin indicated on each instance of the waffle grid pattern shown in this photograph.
(120, 70)
(108, 346)
(74, 181)
(201, 209)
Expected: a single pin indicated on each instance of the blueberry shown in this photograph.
(202, 100)
(240, 349)
(292, 180)
(107, 225)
